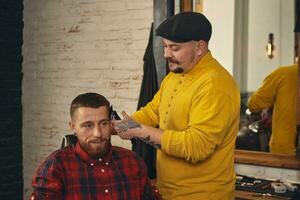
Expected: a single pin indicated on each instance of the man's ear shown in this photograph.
(72, 126)
(201, 47)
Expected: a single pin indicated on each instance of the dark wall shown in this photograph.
(11, 38)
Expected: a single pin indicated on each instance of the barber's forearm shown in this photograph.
(128, 129)
(150, 135)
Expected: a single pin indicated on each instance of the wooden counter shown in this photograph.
(244, 195)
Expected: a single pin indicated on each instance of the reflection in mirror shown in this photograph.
(261, 30)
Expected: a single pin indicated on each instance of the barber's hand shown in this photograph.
(125, 115)
(126, 128)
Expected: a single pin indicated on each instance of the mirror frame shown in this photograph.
(266, 159)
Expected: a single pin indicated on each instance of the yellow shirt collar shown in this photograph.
(194, 71)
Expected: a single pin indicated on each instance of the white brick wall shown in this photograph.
(76, 46)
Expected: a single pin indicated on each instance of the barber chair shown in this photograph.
(67, 140)
(247, 140)
(254, 133)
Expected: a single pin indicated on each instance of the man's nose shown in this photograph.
(167, 53)
(97, 132)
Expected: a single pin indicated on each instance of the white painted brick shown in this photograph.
(116, 17)
(114, 6)
(140, 35)
(47, 75)
(139, 5)
(129, 94)
(138, 45)
(115, 75)
(129, 106)
(132, 65)
(145, 15)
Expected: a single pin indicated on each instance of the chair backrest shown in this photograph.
(67, 140)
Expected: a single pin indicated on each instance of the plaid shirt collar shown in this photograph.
(92, 161)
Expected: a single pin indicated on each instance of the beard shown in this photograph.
(96, 148)
(176, 69)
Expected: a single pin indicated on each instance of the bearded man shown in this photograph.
(92, 168)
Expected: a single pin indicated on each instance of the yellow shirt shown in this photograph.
(199, 113)
(280, 90)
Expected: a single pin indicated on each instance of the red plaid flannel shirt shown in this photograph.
(71, 174)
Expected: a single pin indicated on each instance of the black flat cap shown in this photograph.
(184, 27)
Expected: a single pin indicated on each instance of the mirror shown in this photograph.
(267, 41)
(260, 21)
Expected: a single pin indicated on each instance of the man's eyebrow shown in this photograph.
(86, 122)
(89, 122)
(172, 45)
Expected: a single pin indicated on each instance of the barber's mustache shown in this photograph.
(170, 60)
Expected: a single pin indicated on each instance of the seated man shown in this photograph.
(93, 168)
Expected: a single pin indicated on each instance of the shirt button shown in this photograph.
(33, 197)
(169, 105)
(180, 82)
(106, 163)
(102, 170)
(166, 112)
(164, 121)
(106, 190)
(100, 159)
(175, 90)
(92, 164)
(171, 97)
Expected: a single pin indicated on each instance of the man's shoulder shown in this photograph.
(62, 153)
(128, 159)
(56, 159)
(285, 69)
(120, 151)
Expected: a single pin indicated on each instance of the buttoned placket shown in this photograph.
(102, 170)
(106, 190)
(178, 86)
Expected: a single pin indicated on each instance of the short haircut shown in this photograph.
(90, 100)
